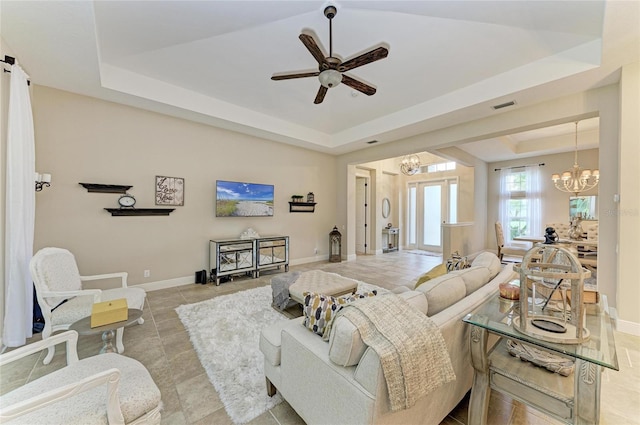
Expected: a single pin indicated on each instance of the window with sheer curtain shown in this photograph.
(520, 202)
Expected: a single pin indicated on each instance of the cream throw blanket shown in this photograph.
(412, 351)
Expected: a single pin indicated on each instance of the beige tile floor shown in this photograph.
(163, 346)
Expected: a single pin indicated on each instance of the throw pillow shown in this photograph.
(319, 310)
(439, 270)
(457, 262)
(355, 296)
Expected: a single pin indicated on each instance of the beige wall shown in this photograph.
(628, 210)
(81, 139)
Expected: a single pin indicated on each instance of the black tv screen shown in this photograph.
(238, 199)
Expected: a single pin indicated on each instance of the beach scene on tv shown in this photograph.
(236, 199)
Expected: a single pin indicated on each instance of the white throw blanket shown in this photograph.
(412, 351)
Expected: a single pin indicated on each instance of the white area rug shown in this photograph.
(225, 332)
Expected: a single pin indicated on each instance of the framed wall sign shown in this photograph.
(169, 191)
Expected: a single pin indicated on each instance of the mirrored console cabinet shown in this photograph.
(233, 257)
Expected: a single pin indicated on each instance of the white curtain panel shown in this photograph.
(503, 211)
(534, 194)
(20, 213)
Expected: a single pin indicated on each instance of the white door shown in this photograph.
(430, 204)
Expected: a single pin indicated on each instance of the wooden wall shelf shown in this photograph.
(302, 207)
(105, 188)
(139, 211)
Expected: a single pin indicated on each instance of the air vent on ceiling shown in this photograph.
(504, 105)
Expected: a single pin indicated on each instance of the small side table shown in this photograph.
(574, 399)
(390, 239)
(83, 327)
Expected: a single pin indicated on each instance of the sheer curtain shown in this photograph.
(503, 211)
(20, 213)
(534, 196)
(532, 192)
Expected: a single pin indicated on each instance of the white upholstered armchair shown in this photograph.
(56, 278)
(103, 389)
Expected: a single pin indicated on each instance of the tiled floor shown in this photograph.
(163, 345)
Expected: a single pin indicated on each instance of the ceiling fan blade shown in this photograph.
(313, 48)
(358, 85)
(363, 59)
(290, 76)
(320, 96)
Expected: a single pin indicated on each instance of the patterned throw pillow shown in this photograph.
(457, 262)
(319, 310)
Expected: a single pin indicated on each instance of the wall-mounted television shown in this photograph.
(238, 199)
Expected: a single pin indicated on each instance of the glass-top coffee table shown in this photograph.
(83, 327)
(573, 399)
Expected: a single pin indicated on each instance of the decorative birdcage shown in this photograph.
(547, 272)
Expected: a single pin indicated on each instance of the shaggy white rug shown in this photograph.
(225, 332)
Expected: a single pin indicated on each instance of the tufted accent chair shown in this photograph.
(56, 278)
(103, 389)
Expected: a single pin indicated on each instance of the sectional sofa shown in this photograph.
(342, 381)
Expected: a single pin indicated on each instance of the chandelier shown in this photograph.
(410, 164)
(576, 180)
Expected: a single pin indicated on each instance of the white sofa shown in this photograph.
(341, 382)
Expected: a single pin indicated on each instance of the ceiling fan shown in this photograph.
(330, 69)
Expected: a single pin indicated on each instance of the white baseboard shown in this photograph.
(164, 284)
(625, 326)
(190, 280)
(306, 260)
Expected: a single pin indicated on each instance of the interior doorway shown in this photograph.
(363, 215)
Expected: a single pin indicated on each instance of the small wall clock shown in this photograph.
(127, 201)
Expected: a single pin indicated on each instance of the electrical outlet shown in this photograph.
(315, 251)
(147, 273)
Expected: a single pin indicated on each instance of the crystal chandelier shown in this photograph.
(576, 180)
(410, 164)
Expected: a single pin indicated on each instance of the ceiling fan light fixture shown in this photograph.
(330, 78)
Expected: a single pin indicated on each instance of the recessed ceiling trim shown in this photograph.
(128, 82)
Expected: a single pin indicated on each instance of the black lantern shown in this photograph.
(310, 197)
(335, 246)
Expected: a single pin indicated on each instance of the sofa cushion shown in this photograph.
(416, 299)
(474, 278)
(443, 291)
(439, 270)
(490, 261)
(345, 343)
